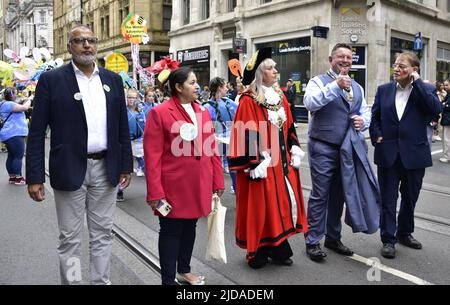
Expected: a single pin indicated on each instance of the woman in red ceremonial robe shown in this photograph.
(266, 154)
(183, 168)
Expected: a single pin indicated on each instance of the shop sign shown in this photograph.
(239, 45)
(359, 56)
(229, 33)
(193, 56)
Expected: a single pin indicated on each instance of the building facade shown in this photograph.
(303, 32)
(105, 17)
(28, 23)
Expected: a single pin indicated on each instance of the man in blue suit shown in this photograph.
(400, 115)
(90, 153)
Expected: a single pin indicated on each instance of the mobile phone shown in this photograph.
(163, 207)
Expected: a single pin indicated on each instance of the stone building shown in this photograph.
(205, 34)
(27, 23)
(105, 17)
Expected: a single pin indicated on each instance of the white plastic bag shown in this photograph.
(215, 248)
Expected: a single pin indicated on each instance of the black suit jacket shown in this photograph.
(408, 136)
(55, 105)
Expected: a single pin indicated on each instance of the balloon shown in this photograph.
(37, 55)
(45, 53)
(11, 54)
(29, 63)
(24, 51)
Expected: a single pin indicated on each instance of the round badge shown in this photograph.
(106, 87)
(188, 132)
(77, 96)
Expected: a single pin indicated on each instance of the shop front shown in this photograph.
(293, 58)
(198, 60)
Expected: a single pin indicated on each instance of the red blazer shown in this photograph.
(184, 173)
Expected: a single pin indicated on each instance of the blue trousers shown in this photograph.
(16, 149)
(410, 182)
(176, 242)
(326, 201)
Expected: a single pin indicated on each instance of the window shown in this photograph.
(265, 1)
(186, 11)
(167, 16)
(231, 5)
(43, 16)
(107, 26)
(205, 9)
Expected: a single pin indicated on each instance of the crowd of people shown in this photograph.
(183, 138)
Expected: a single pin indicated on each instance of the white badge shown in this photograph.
(202, 108)
(106, 87)
(77, 96)
(188, 132)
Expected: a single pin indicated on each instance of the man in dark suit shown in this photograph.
(90, 153)
(400, 115)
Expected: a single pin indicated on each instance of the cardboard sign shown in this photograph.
(235, 67)
(134, 28)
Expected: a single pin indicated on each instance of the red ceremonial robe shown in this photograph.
(263, 206)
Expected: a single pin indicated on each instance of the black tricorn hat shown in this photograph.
(253, 64)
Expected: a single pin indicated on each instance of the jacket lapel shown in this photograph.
(410, 102)
(390, 98)
(71, 79)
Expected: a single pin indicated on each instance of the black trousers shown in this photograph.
(176, 242)
(410, 182)
(280, 253)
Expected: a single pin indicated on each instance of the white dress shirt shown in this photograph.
(190, 110)
(94, 103)
(401, 99)
(318, 96)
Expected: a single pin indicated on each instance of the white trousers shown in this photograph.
(446, 142)
(96, 197)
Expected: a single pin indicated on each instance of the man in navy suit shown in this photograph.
(90, 153)
(400, 115)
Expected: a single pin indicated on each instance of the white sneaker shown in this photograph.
(140, 173)
(444, 160)
(437, 138)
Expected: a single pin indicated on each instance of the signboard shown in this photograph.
(116, 62)
(229, 33)
(239, 45)
(359, 56)
(320, 31)
(418, 42)
(134, 29)
(193, 56)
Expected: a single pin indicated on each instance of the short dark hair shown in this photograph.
(214, 85)
(341, 45)
(178, 76)
(8, 94)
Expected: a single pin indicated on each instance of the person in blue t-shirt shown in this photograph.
(222, 111)
(150, 100)
(136, 124)
(13, 133)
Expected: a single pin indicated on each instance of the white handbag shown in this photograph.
(215, 248)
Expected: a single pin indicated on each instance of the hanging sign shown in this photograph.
(134, 28)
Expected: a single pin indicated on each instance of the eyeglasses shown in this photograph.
(83, 40)
(401, 67)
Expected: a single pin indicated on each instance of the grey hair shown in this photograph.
(257, 84)
(78, 26)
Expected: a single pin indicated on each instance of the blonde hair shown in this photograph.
(256, 85)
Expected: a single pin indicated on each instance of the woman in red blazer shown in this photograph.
(183, 168)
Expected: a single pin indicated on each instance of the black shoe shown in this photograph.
(119, 197)
(286, 262)
(409, 241)
(388, 250)
(315, 253)
(338, 247)
(257, 263)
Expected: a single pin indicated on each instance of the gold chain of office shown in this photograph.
(264, 103)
